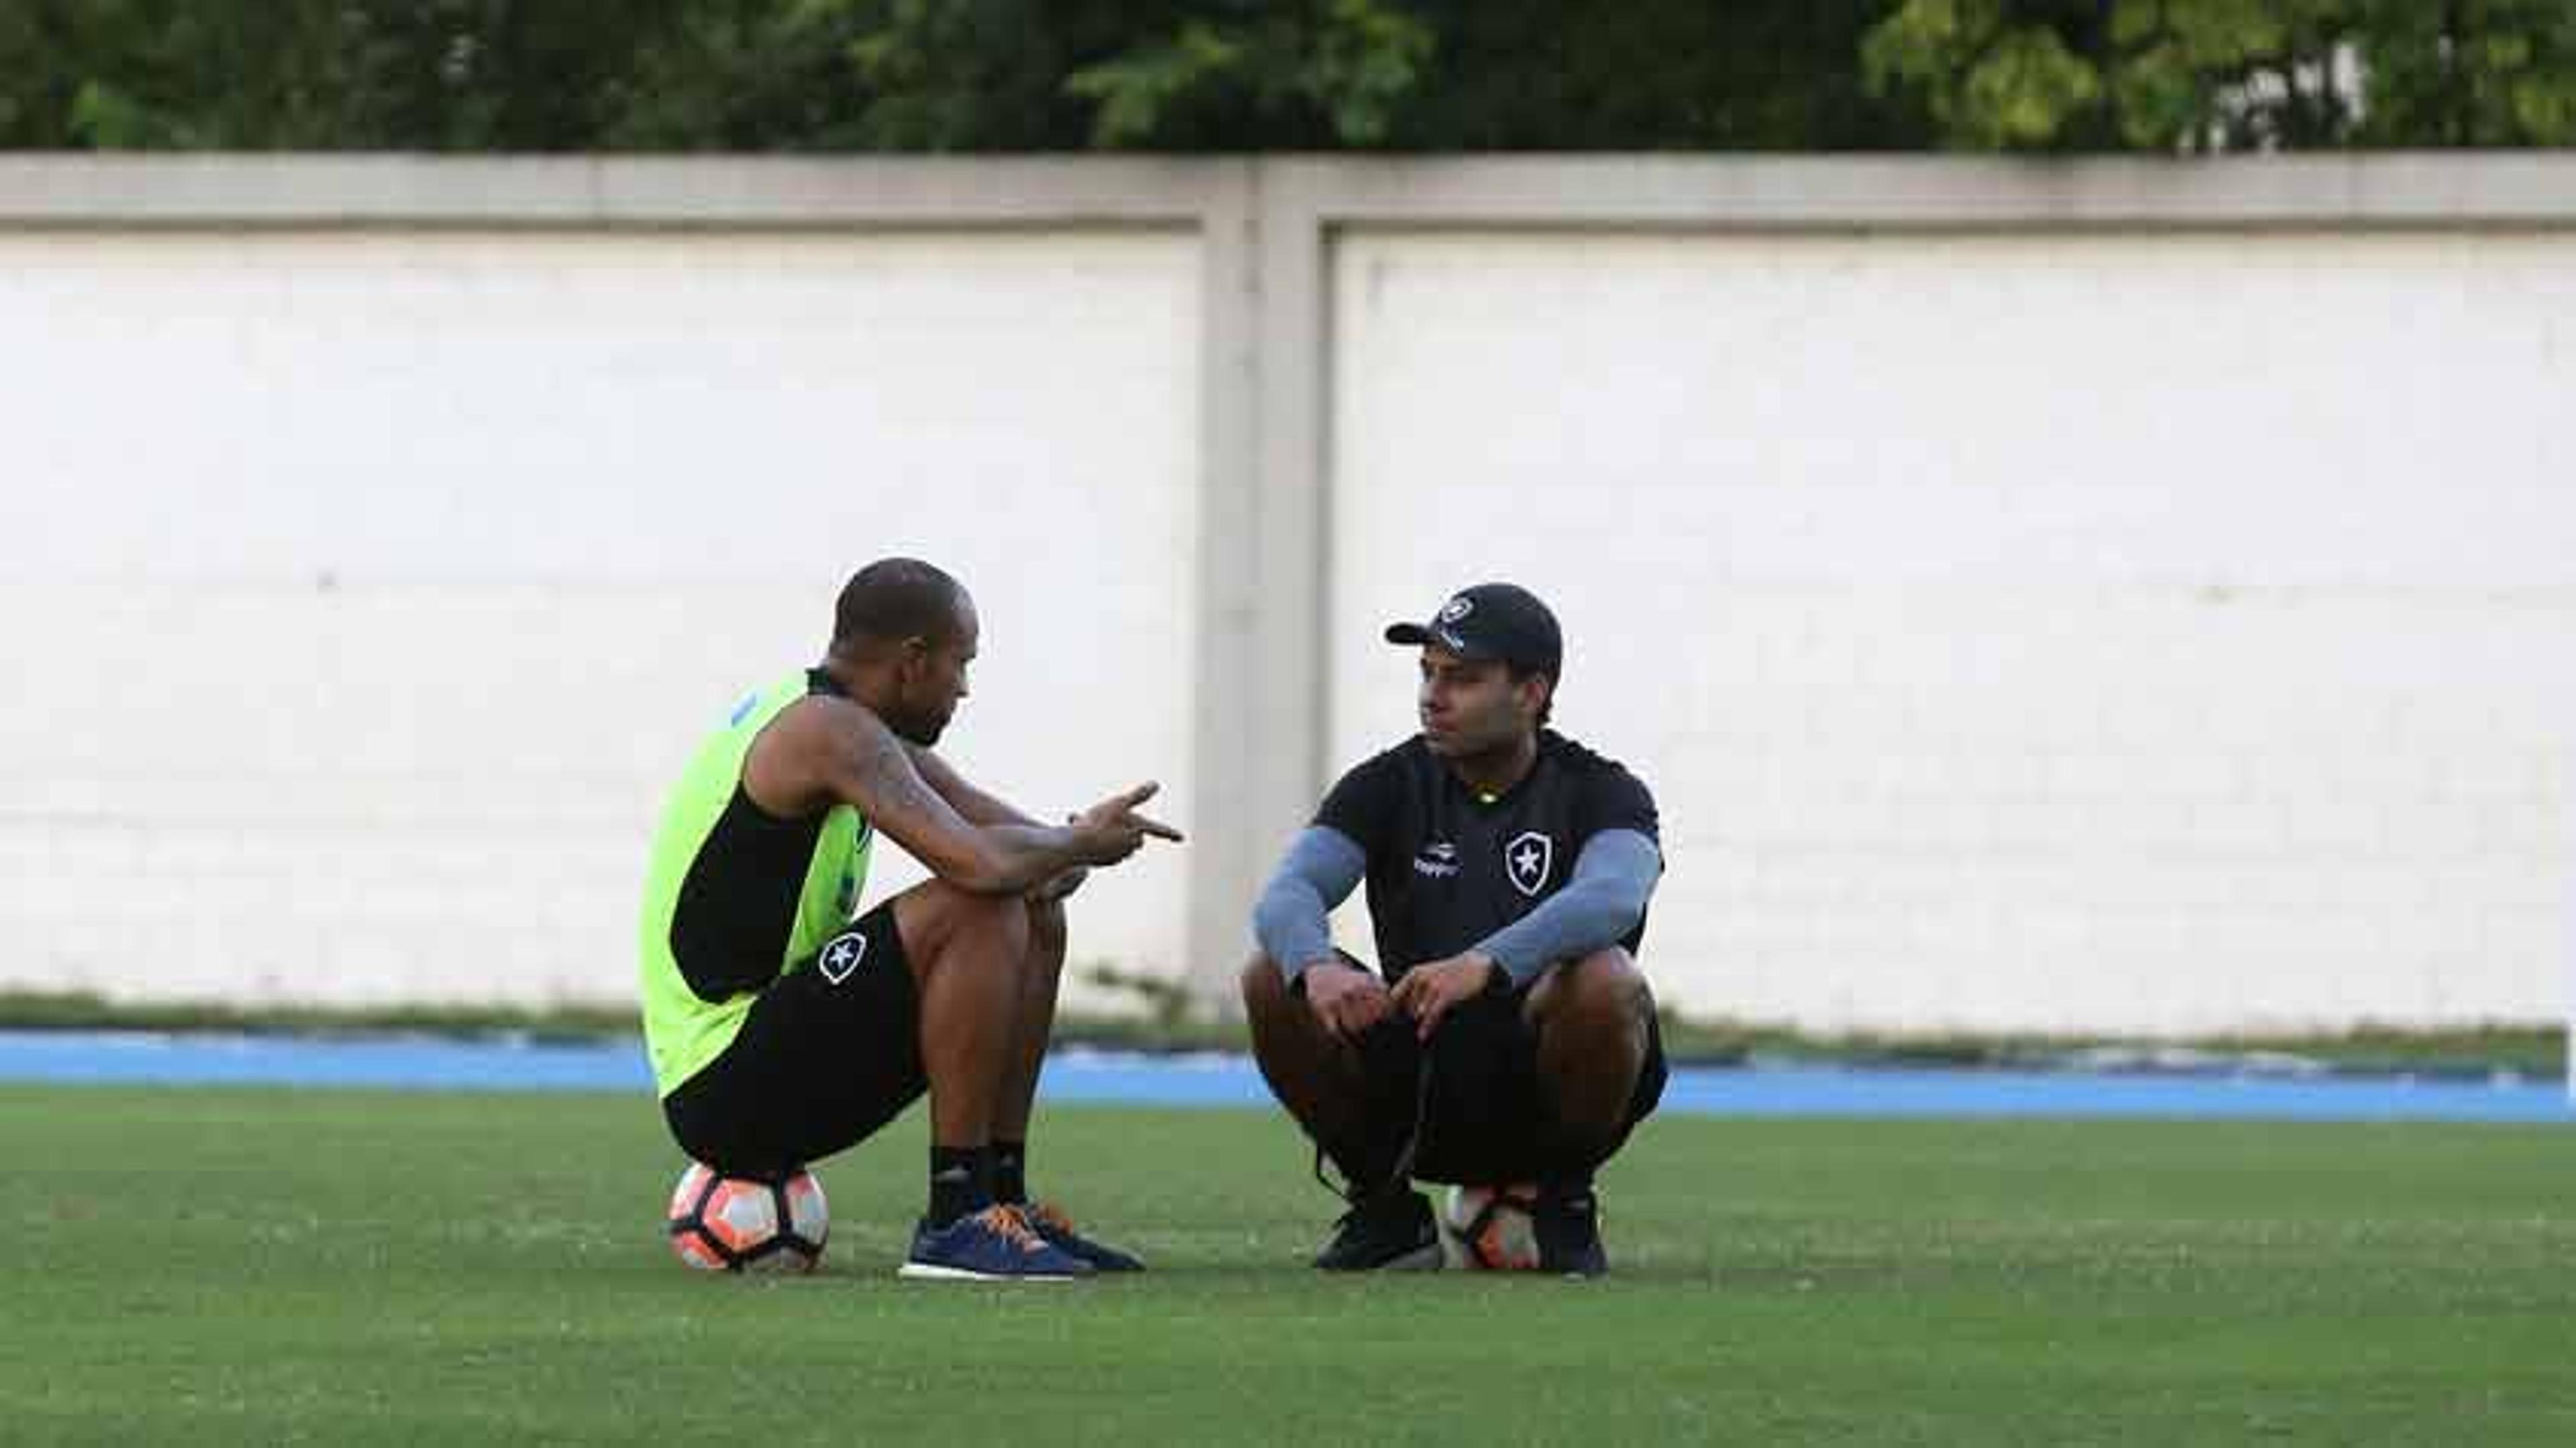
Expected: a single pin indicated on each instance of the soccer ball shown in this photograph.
(736, 1224)
(1488, 1229)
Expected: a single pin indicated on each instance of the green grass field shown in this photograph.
(270, 1266)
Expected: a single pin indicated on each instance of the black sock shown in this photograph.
(1010, 1172)
(1568, 1158)
(961, 1182)
(1374, 1150)
(1367, 1164)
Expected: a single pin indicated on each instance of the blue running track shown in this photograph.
(427, 1063)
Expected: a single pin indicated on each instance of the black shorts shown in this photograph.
(826, 1058)
(1474, 1090)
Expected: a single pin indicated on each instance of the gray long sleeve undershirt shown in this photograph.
(1322, 867)
(1602, 901)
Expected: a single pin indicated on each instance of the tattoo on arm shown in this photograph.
(878, 774)
(890, 783)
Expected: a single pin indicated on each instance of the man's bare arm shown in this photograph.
(872, 770)
(831, 749)
(974, 804)
(981, 808)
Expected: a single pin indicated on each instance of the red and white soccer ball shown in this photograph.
(734, 1224)
(1489, 1229)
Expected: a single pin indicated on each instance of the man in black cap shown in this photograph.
(1513, 1038)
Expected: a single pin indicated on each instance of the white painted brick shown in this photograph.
(386, 707)
(2235, 722)
(2504, 768)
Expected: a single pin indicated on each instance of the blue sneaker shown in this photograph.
(1051, 1223)
(996, 1244)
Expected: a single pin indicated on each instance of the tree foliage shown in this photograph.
(312, 74)
(2224, 75)
(1250, 75)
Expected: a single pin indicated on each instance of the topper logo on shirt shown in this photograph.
(1439, 860)
(1527, 859)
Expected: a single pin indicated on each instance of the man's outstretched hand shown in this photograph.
(1111, 830)
(1430, 991)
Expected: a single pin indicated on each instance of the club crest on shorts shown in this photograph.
(1528, 859)
(841, 956)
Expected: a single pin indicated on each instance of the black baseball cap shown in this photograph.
(1498, 621)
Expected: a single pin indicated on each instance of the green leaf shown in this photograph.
(1368, 59)
(110, 120)
(2022, 93)
(1137, 89)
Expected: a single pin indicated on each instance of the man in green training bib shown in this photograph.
(782, 1030)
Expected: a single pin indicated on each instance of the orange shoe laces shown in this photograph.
(1047, 1215)
(1008, 1222)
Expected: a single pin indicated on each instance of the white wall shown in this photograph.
(2034, 604)
(2080, 632)
(363, 589)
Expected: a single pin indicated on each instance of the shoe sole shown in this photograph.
(1420, 1259)
(932, 1272)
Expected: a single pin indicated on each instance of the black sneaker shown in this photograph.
(1568, 1224)
(1389, 1232)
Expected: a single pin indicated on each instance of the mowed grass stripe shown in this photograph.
(277, 1266)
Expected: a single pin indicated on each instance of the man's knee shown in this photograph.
(1613, 986)
(1265, 990)
(1603, 991)
(937, 916)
